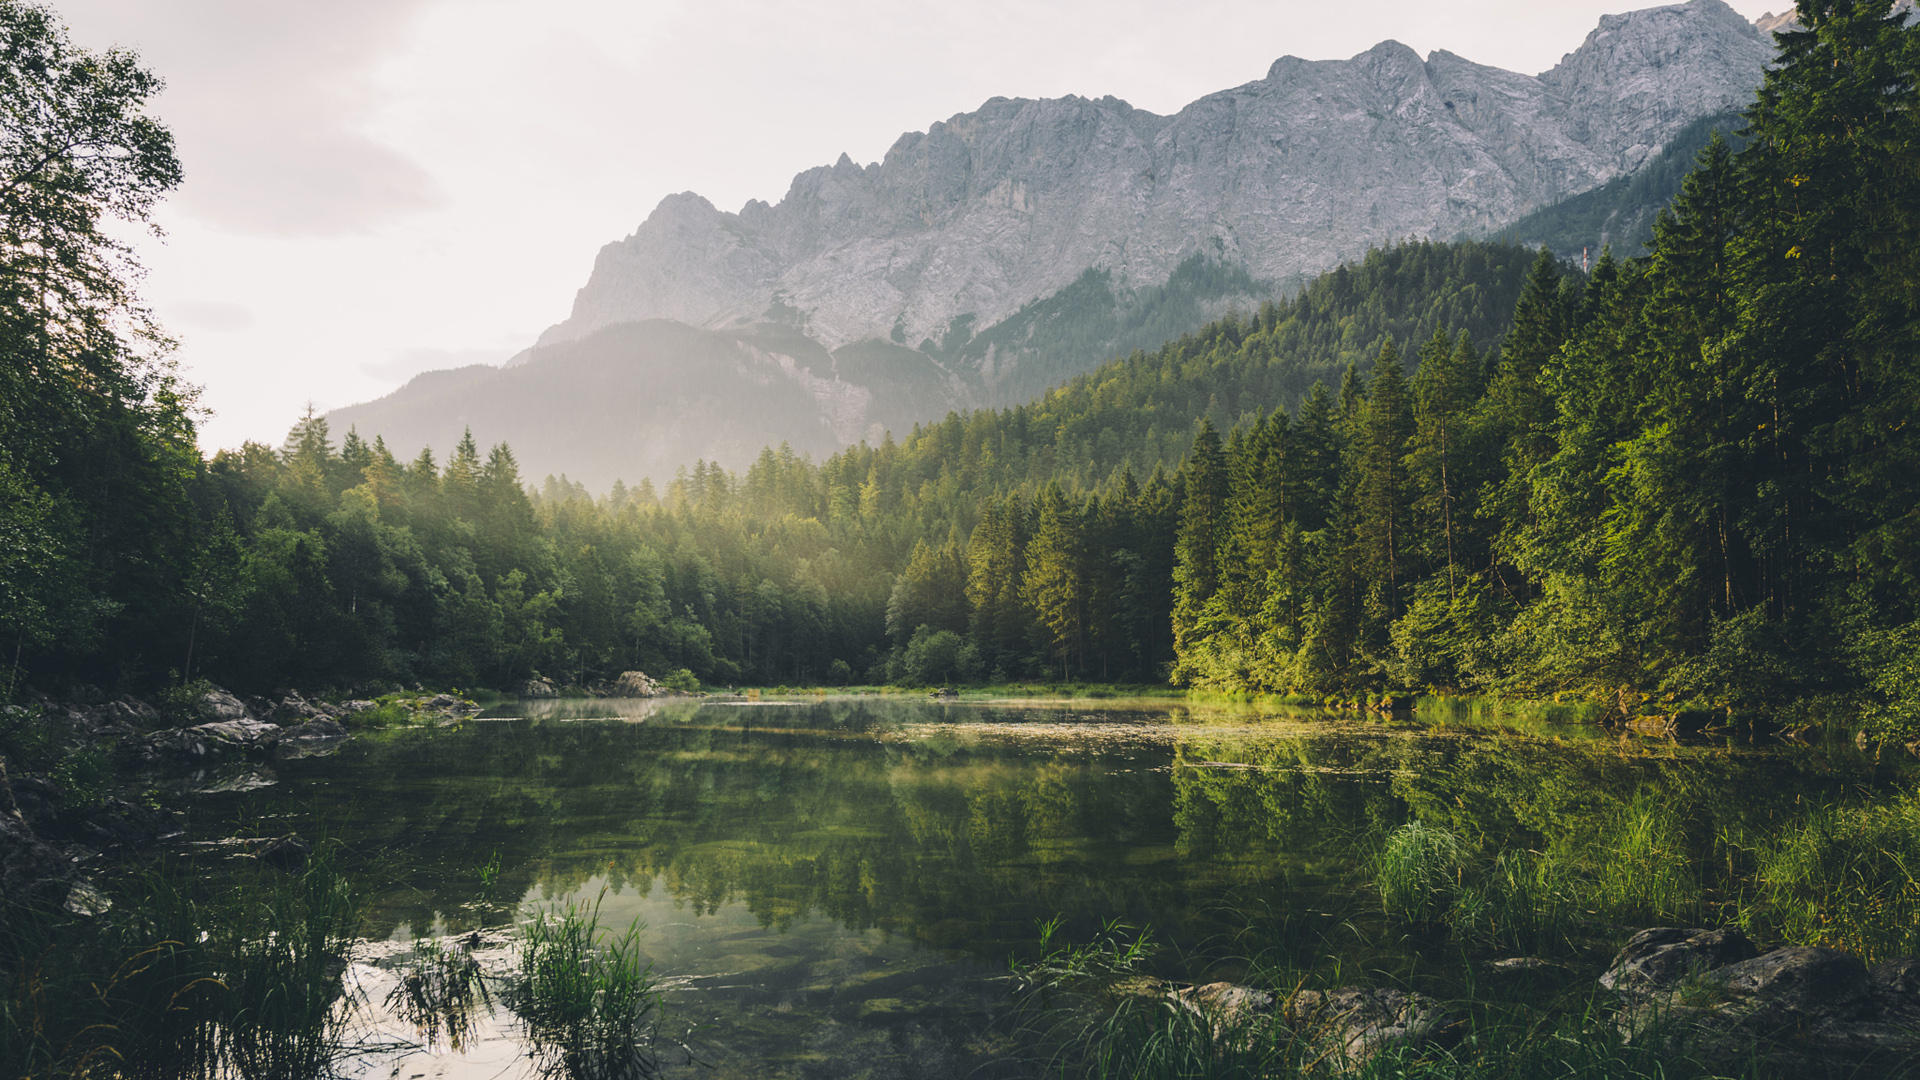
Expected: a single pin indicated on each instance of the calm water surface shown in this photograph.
(835, 886)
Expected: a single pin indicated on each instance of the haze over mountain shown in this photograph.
(1006, 249)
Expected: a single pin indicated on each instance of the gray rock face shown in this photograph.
(1287, 176)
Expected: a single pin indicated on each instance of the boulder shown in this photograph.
(316, 730)
(221, 707)
(1353, 1025)
(1803, 1010)
(294, 709)
(1663, 956)
(1901, 976)
(1226, 1005)
(538, 688)
(633, 684)
(227, 738)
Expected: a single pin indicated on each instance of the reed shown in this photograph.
(1844, 876)
(591, 1010)
(1420, 872)
(171, 979)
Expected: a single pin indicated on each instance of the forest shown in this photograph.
(1458, 467)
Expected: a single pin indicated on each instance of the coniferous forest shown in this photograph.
(1456, 466)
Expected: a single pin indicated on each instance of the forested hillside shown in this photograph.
(1456, 466)
(1620, 213)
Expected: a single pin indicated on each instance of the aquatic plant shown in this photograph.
(1845, 876)
(442, 993)
(163, 977)
(1419, 872)
(591, 1010)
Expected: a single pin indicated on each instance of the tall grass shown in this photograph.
(442, 994)
(1088, 1011)
(591, 1010)
(1633, 866)
(177, 980)
(1641, 865)
(1420, 872)
(1847, 877)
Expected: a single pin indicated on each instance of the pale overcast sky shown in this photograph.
(379, 187)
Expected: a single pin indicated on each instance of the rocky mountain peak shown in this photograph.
(989, 210)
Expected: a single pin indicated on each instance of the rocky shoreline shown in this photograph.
(51, 838)
(1708, 995)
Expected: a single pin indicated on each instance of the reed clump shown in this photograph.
(1844, 876)
(591, 1009)
(163, 977)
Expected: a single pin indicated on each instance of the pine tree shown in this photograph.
(1054, 584)
(1383, 432)
(1196, 549)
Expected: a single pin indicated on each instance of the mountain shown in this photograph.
(1620, 213)
(1004, 250)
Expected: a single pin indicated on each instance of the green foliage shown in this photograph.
(1692, 472)
(174, 980)
(590, 1009)
(1418, 872)
(1843, 876)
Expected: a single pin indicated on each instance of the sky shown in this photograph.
(376, 188)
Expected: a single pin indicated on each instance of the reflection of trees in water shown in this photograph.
(797, 811)
(1331, 798)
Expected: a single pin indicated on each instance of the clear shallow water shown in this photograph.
(835, 885)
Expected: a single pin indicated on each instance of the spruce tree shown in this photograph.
(1196, 549)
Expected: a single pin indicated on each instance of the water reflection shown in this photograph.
(852, 874)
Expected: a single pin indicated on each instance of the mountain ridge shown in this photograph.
(1005, 250)
(994, 208)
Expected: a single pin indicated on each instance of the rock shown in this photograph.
(1796, 980)
(37, 803)
(1901, 976)
(1355, 1024)
(942, 242)
(1801, 1010)
(1663, 956)
(350, 709)
(1522, 965)
(944, 693)
(538, 688)
(1226, 1005)
(633, 684)
(289, 852)
(218, 740)
(294, 709)
(319, 730)
(221, 707)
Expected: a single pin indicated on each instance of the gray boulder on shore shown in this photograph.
(1805, 1010)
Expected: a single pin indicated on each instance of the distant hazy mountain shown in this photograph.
(1006, 249)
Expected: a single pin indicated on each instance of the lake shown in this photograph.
(834, 887)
